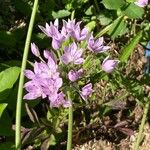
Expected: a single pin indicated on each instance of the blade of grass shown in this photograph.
(138, 141)
(108, 27)
(127, 50)
(21, 81)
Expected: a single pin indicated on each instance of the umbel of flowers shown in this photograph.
(51, 74)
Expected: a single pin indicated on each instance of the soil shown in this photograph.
(116, 140)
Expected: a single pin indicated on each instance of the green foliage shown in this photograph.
(6, 125)
(119, 20)
(6, 36)
(8, 77)
(105, 18)
(60, 14)
(128, 49)
(109, 4)
(23, 7)
(2, 108)
(91, 25)
(117, 28)
(133, 11)
(7, 146)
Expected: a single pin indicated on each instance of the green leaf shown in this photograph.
(91, 25)
(113, 4)
(133, 11)
(7, 39)
(2, 108)
(8, 77)
(23, 7)
(90, 11)
(6, 125)
(130, 1)
(52, 140)
(127, 50)
(117, 28)
(104, 19)
(9, 63)
(7, 146)
(60, 14)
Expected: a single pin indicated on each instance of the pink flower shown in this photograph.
(97, 45)
(109, 65)
(59, 101)
(72, 55)
(74, 30)
(74, 75)
(53, 32)
(141, 3)
(45, 82)
(86, 91)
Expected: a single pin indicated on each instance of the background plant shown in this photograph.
(123, 25)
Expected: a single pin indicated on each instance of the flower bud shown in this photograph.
(109, 65)
(35, 50)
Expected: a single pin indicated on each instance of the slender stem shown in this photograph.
(70, 123)
(59, 55)
(97, 7)
(21, 81)
(142, 125)
(70, 119)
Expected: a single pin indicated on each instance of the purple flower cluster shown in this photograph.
(46, 80)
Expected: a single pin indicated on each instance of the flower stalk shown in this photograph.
(138, 141)
(70, 123)
(21, 80)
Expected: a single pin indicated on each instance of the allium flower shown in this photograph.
(109, 65)
(74, 75)
(35, 50)
(97, 45)
(79, 34)
(53, 32)
(59, 100)
(45, 82)
(74, 30)
(34, 90)
(46, 70)
(141, 3)
(70, 25)
(72, 55)
(49, 30)
(86, 91)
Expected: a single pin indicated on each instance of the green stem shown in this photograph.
(146, 108)
(21, 81)
(97, 7)
(70, 119)
(70, 123)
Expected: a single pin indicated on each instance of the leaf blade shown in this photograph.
(127, 50)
